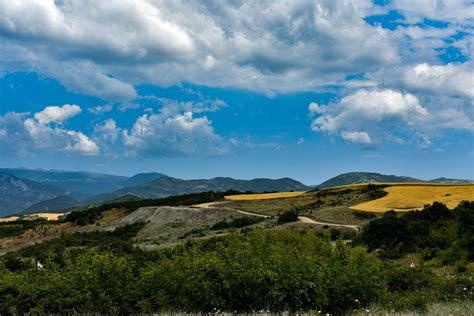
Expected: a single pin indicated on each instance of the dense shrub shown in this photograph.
(288, 217)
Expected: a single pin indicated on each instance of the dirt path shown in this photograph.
(308, 220)
(209, 204)
(213, 204)
(302, 219)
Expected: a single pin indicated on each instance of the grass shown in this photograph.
(48, 216)
(406, 197)
(8, 219)
(263, 196)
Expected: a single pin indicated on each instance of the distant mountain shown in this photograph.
(167, 186)
(142, 178)
(17, 194)
(81, 184)
(454, 181)
(58, 203)
(85, 182)
(364, 177)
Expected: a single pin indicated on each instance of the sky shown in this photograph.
(246, 89)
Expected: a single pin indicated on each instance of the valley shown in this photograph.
(211, 230)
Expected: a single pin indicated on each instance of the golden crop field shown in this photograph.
(48, 216)
(8, 219)
(263, 196)
(407, 197)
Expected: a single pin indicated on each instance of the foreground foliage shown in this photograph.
(277, 270)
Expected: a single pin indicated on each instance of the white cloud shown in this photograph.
(300, 141)
(57, 114)
(174, 135)
(25, 135)
(370, 116)
(45, 137)
(356, 137)
(108, 130)
(97, 110)
(451, 79)
(415, 11)
(105, 48)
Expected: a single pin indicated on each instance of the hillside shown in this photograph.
(87, 183)
(141, 178)
(58, 203)
(364, 177)
(17, 194)
(150, 256)
(168, 186)
(450, 180)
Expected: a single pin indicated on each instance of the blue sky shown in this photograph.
(306, 89)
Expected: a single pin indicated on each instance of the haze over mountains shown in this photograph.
(26, 190)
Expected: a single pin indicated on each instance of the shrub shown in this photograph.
(288, 217)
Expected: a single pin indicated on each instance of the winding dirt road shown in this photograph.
(308, 220)
(302, 219)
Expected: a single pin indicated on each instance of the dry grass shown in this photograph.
(8, 219)
(263, 196)
(406, 197)
(48, 216)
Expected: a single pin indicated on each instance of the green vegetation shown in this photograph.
(288, 217)
(434, 232)
(279, 270)
(8, 229)
(261, 267)
(237, 222)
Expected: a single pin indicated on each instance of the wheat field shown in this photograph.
(407, 197)
(48, 216)
(263, 196)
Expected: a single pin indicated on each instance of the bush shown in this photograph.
(288, 217)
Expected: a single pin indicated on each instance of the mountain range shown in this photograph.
(167, 186)
(87, 183)
(37, 190)
(367, 177)
(18, 194)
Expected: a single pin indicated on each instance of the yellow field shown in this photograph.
(8, 219)
(48, 216)
(407, 197)
(263, 196)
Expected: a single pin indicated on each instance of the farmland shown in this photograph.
(263, 196)
(407, 197)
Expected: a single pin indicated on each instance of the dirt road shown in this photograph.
(302, 219)
(308, 220)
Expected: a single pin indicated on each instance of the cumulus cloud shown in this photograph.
(97, 110)
(415, 11)
(108, 130)
(175, 135)
(452, 79)
(356, 137)
(370, 116)
(57, 114)
(105, 48)
(26, 135)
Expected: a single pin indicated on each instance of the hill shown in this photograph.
(168, 186)
(18, 194)
(450, 180)
(58, 203)
(364, 177)
(85, 182)
(141, 178)
(82, 184)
